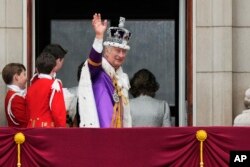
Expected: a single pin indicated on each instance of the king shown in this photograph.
(103, 87)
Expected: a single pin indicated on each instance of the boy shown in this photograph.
(14, 76)
(45, 101)
(58, 52)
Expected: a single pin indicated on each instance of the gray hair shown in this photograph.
(247, 99)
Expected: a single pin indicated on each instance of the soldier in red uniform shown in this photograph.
(14, 76)
(45, 102)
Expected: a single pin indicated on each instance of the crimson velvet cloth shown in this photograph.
(127, 147)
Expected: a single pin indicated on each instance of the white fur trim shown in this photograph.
(118, 45)
(87, 106)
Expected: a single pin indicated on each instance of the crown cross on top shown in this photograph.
(121, 22)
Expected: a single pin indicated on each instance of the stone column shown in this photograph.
(213, 62)
(11, 41)
(241, 53)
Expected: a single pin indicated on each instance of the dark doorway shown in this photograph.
(154, 43)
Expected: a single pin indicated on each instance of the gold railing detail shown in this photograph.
(19, 139)
(201, 135)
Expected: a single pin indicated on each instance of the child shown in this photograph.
(45, 101)
(58, 52)
(14, 76)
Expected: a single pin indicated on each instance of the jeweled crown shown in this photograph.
(118, 36)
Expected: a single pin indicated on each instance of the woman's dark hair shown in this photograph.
(143, 83)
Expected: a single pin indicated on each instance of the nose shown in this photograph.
(122, 53)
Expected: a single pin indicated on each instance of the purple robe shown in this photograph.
(103, 90)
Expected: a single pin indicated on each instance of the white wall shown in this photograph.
(11, 44)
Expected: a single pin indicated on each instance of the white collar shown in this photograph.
(45, 76)
(17, 89)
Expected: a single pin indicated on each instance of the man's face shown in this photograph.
(115, 56)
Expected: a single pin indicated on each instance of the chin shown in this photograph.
(117, 66)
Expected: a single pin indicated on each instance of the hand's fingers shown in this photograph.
(98, 17)
(95, 16)
(105, 23)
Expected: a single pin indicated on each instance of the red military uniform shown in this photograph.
(45, 103)
(34, 78)
(15, 109)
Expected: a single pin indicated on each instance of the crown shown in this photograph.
(118, 36)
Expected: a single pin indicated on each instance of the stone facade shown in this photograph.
(213, 55)
(11, 41)
(222, 53)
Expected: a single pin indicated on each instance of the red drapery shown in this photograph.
(127, 147)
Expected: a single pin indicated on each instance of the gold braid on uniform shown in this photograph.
(94, 63)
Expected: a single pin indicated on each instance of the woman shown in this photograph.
(146, 111)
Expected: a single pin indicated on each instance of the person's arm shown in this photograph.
(95, 56)
(58, 109)
(18, 108)
(166, 118)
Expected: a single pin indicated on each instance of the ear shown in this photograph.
(15, 77)
(58, 61)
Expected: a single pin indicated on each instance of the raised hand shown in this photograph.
(99, 26)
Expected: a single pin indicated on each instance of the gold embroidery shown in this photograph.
(117, 116)
(42, 124)
(94, 63)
